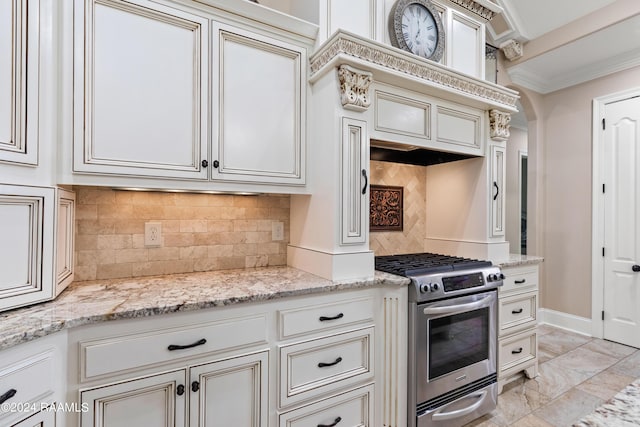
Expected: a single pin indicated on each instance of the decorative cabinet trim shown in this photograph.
(512, 49)
(485, 11)
(388, 59)
(499, 125)
(19, 124)
(354, 88)
(354, 182)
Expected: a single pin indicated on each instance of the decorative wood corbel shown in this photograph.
(354, 87)
(499, 125)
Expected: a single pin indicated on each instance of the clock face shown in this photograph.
(419, 30)
(416, 26)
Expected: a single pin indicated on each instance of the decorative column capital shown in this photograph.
(512, 49)
(499, 125)
(354, 87)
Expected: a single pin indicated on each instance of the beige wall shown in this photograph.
(567, 191)
(413, 180)
(517, 143)
(201, 232)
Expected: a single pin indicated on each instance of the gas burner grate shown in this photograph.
(425, 263)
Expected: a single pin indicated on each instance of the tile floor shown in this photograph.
(576, 375)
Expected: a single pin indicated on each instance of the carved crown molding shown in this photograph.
(499, 125)
(477, 8)
(354, 88)
(343, 46)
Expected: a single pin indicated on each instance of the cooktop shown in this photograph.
(425, 263)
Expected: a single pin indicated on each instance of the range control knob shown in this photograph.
(424, 288)
(501, 276)
(492, 277)
(434, 287)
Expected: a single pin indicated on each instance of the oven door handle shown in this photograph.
(457, 308)
(458, 413)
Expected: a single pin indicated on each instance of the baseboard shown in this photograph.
(570, 322)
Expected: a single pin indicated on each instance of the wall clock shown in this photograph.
(416, 26)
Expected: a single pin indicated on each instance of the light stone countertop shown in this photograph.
(517, 260)
(90, 302)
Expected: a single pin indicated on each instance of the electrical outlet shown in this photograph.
(152, 234)
(277, 230)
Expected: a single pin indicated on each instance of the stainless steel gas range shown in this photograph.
(452, 362)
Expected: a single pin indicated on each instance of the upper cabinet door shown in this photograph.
(140, 89)
(26, 245)
(19, 38)
(258, 108)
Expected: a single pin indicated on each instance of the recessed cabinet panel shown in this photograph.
(17, 142)
(458, 127)
(141, 108)
(355, 182)
(151, 401)
(260, 102)
(498, 190)
(26, 246)
(467, 45)
(402, 116)
(216, 406)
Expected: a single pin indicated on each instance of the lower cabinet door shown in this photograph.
(230, 392)
(46, 418)
(158, 401)
(351, 409)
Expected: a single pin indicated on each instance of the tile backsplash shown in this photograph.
(200, 232)
(413, 179)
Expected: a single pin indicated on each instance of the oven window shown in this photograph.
(457, 341)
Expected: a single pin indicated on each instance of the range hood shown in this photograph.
(385, 151)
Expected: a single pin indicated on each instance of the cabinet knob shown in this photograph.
(205, 163)
(636, 268)
(195, 386)
(180, 390)
(216, 164)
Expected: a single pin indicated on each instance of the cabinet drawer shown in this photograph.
(518, 312)
(324, 317)
(313, 367)
(518, 349)
(519, 279)
(129, 352)
(352, 409)
(29, 381)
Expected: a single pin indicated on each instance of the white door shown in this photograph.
(622, 222)
(158, 401)
(231, 392)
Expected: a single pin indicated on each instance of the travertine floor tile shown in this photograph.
(554, 380)
(585, 361)
(606, 384)
(610, 348)
(531, 421)
(569, 408)
(630, 365)
(560, 341)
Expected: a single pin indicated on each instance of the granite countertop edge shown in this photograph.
(91, 302)
(515, 260)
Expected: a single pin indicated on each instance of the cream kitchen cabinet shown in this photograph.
(230, 392)
(355, 182)
(518, 319)
(30, 381)
(19, 38)
(186, 97)
(497, 162)
(36, 250)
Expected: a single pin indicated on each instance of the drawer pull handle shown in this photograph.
(173, 347)
(518, 351)
(518, 311)
(324, 365)
(336, 317)
(8, 395)
(180, 390)
(520, 282)
(334, 424)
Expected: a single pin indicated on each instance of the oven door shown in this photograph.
(455, 343)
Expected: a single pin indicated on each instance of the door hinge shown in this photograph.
(603, 124)
(603, 251)
(602, 314)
